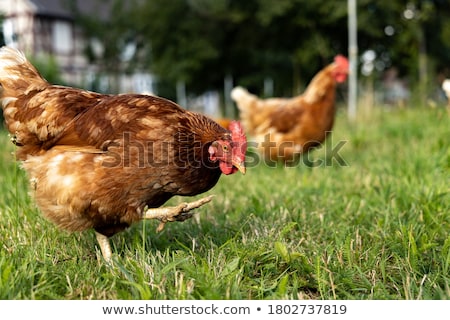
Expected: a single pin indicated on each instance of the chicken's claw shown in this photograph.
(180, 212)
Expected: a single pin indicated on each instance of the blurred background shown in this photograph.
(195, 51)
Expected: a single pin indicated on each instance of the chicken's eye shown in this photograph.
(225, 148)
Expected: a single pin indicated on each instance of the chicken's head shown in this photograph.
(340, 71)
(230, 151)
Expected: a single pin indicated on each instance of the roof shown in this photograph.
(54, 8)
(62, 8)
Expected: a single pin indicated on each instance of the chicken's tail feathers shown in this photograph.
(17, 74)
(446, 87)
(245, 101)
(247, 104)
(28, 124)
(238, 93)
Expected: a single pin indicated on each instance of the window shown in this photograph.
(9, 36)
(62, 37)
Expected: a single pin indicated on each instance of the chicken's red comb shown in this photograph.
(341, 61)
(239, 138)
(236, 129)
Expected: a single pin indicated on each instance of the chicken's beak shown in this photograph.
(240, 165)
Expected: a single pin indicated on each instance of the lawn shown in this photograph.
(366, 217)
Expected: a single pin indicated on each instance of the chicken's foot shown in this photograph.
(180, 212)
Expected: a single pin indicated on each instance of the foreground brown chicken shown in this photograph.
(100, 161)
(284, 128)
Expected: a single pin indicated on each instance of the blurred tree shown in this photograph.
(182, 40)
(202, 42)
(413, 36)
(48, 67)
(111, 35)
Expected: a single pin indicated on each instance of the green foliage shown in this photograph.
(285, 39)
(48, 68)
(201, 42)
(376, 228)
(109, 30)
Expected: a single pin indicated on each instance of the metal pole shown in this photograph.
(353, 58)
(227, 87)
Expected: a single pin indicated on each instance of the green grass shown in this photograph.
(377, 228)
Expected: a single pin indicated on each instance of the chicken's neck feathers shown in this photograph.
(321, 84)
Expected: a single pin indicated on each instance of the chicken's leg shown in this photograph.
(105, 246)
(167, 214)
(177, 213)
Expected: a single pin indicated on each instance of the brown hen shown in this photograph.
(283, 128)
(101, 161)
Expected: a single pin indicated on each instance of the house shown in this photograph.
(47, 27)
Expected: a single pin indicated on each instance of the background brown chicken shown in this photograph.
(224, 122)
(99, 161)
(284, 128)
